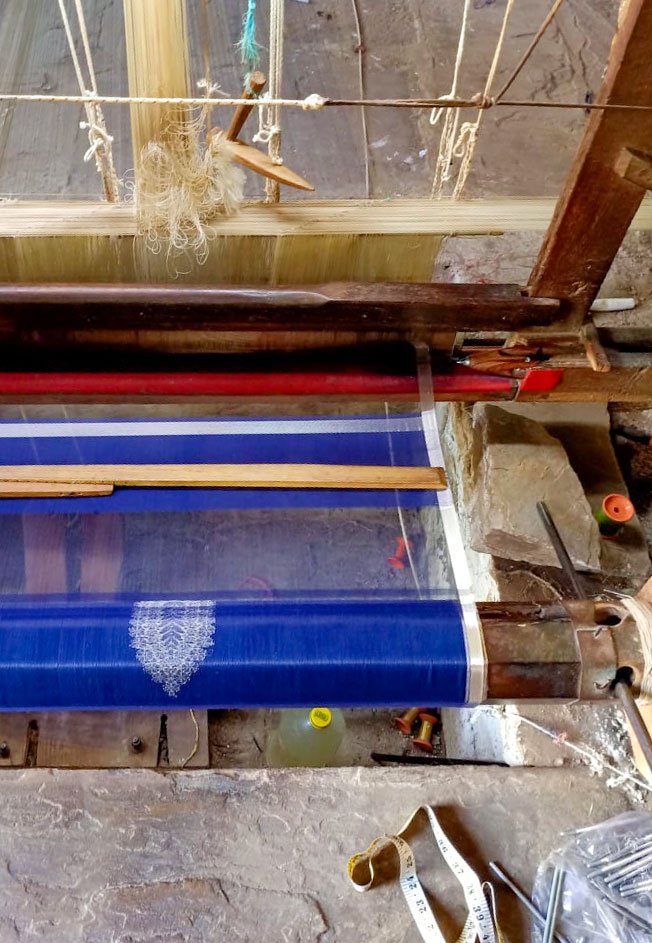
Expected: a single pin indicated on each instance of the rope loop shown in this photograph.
(465, 138)
(436, 113)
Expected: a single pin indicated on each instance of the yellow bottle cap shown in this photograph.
(320, 717)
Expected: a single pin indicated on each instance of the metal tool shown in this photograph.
(411, 760)
(524, 899)
(622, 685)
(553, 904)
(559, 547)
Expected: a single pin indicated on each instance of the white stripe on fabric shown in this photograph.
(76, 429)
(476, 679)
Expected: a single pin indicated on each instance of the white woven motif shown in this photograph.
(171, 638)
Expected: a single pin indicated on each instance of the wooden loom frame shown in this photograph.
(340, 240)
(77, 242)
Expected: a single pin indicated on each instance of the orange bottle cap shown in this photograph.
(618, 508)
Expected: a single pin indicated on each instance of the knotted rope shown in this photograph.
(100, 140)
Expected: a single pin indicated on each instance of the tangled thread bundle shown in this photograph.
(184, 184)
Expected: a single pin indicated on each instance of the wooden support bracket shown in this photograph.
(635, 166)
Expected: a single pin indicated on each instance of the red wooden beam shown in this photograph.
(459, 383)
(598, 203)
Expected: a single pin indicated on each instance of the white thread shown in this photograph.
(273, 112)
(464, 147)
(171, 638)
(443, 167)
(99, 139)
(593, 758)
(641, 612)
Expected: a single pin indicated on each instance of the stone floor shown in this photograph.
(132, 856)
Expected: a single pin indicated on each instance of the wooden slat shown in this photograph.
(598, 205)
(84, 739)
(51, 489)
(304, 217)
(227, 476)
(63, 314)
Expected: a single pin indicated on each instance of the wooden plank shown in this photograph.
(187, 739)
(105, 739)
(381, 477)
(60, 315)
(14, 730)
(304, 217)
(598, 205)
(50, 489)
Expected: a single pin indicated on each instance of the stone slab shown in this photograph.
(135, 856)
(516, 463)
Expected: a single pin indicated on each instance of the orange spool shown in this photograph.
(423, 739)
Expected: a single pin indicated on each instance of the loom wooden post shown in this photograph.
(156, 35)
(598, 202)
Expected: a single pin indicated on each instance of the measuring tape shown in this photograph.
(481, 924)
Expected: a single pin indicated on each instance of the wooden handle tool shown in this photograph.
(249, 156)
(255, 84)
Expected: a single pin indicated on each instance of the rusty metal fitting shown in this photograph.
(136, 745)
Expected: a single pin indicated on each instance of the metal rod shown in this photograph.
(563, 556)
(411, 760)
(642, 734)
(553, 905)
(524, 899)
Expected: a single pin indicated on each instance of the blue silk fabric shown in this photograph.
(344, 639)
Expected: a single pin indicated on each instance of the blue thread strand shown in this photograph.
(248, 45)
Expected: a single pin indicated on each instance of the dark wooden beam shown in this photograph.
(48, 315)
(598, 203)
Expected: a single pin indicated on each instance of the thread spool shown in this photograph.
(423, 739)
(615, 511)
(406, 721)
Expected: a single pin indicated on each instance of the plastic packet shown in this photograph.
(606, 894)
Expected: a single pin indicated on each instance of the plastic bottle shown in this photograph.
(306, 737)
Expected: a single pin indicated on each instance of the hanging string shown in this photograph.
(248, 45)
(528, 52)
(361, 83)
(467, 140)
(444, 163)
(100, 140)
(273, 112)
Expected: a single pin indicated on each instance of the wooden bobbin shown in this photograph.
(423, 739)
(406, 721)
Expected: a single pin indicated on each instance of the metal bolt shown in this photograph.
(4, 750)
(634, 889)
(631, 863)
(137, 744)
(618, 861)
